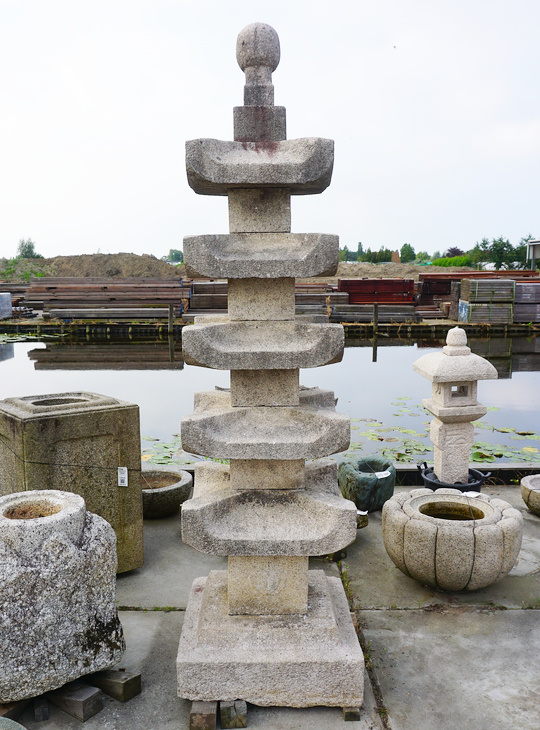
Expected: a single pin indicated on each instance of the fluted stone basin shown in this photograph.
(449, 540)
(530, 491)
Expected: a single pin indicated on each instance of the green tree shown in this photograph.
(407, 253)
(176, 256)
(27, 250)
(501, 252)
(436, 255)
(423, 257)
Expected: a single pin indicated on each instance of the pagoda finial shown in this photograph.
(258, 54)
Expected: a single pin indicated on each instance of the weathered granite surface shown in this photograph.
(461, 554)
(58, 618)
(530, 491)
(297, 660)
(264, 255)
(78, 441)
(256, 632)
(262, 345)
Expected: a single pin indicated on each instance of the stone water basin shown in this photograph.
(530, 491)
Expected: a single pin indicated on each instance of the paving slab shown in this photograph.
(457, 667)
(152, 642)
(169, 569)
(377, 583)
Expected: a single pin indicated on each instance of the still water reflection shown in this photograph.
(387, 390)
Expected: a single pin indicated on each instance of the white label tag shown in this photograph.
(122, 476)
(382, 474)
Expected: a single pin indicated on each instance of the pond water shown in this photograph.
(383, 398)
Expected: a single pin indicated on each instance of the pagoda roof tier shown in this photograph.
(262, 255)
(262, 345)
(265, 432)
(311, 521)
(303, 166)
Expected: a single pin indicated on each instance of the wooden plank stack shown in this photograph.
(83, 293)
(527, 306)
(383, 291)
(487, 300)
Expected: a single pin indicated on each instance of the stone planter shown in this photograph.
(164, 492)
(57, 592)
(530, 491)
(450, 541)
(369, 483)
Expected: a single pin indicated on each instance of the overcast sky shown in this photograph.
(434, 107)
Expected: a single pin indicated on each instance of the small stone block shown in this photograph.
(117, 683)
(78, 699)
(233, 714)
(13, 710)
(203, 716)
(41, 709)
(351, 714)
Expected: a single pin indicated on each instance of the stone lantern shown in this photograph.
(454, 374)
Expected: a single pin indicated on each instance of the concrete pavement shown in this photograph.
(436, 661)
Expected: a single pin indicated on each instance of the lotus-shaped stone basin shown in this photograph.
(530, 491)
(449, 540)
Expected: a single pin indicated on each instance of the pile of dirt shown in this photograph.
(127, 265)
(114, 265)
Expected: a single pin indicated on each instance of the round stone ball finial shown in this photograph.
(456, 342)
(258, 45)
(456, 337)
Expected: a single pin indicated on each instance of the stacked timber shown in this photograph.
(382, 291)
(436, 286)
(487, 300)
(95, 293)
(527, 306)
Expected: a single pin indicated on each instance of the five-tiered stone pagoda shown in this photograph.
(267, 630)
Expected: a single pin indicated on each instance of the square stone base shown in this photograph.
(297, 660)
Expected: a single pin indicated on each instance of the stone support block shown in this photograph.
(259, 123)
(233, 714)
(293, 661)
(262, 345)
(451, 446)
(77, 441)
(262, 255)
(259, 211)
(215, 167)
(266, 474)
(258, 299)
(265, 388)
(267, 585)
(220, 399)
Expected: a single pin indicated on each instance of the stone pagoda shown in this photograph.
(267, 630)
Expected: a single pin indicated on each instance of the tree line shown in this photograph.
(497, 251)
